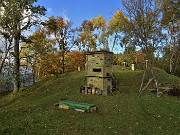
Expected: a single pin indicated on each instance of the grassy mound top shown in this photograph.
(32, 111)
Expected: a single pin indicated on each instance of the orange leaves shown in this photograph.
(75, 59)
(87, 25)
(55, 24)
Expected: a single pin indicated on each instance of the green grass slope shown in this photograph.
(32, 111)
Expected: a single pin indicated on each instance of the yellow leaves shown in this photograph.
(91, 31)
(43, 56)
(98, 22)
(49, 64)
(118, 20)
(40, 44)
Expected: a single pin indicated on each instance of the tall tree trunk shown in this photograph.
(8, 47)
(2, 63)
(176, 58)
(16, 64)
(114, 42)
(63, 68)
(62, 49)
(63, 53)
(34, 74)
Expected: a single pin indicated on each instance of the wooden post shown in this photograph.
(146, 64)
(79, 68)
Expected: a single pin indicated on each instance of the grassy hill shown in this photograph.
(32, 111)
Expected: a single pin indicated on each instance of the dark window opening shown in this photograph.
(96, 69)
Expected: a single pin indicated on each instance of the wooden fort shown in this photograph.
(99, 71)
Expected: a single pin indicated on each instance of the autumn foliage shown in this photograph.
(75, 59)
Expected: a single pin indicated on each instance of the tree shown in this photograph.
(116, 27)
(171, 21)
(93, 35)
(85, 38)
(75, 59)
(40, 54)
(5, 60)
(61, 30)
(100, 32)
(145, 31)
(16, 17)
(130, 54)
(7, 46)
(119, 27)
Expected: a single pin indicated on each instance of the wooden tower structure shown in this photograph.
(99, 71)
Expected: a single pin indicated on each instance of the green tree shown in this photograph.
(17, 16)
